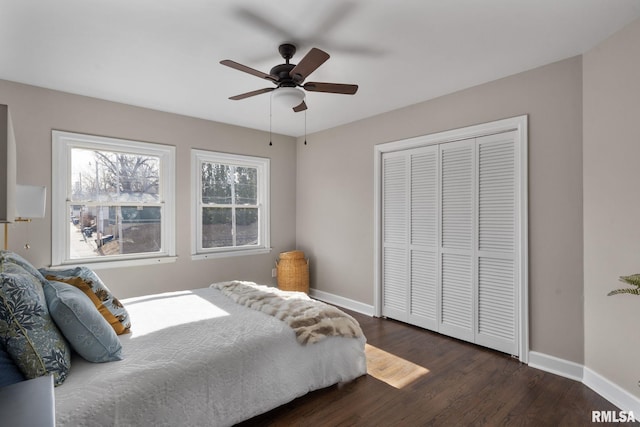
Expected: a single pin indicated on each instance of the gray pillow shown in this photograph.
(89, 334)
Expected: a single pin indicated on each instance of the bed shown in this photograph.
(198, 358)
(204, 357)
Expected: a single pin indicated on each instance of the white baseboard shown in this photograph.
(347, 303)
(612, 392)
(565, 368)
(605, 388)
(555, 365)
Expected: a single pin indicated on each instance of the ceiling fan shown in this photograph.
(288, 77)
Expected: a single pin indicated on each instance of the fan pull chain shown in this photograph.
(305, 127)
(270, 118)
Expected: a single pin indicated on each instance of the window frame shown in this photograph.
(262, 164)
(62, 144)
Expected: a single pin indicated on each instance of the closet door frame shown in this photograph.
(520, 126)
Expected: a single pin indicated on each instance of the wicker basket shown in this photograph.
(293, 272)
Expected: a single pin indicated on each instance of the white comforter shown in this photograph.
(197, 358)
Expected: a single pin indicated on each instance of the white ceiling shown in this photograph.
(164, 54)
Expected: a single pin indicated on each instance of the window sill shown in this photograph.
(103, 265)
(227, 254)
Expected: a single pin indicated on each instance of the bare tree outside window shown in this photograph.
(115, 203)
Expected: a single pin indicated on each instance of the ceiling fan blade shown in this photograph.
(308, 64)
(244, 68)
(331, 88)
(259, 21)
(252, 93)
(300, 107)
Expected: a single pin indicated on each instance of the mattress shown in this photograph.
(197, 358)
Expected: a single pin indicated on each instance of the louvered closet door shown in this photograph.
(450, 244)
(423, 250)
(497, 290)
(395, 197)
(457, 242)
(410, 236)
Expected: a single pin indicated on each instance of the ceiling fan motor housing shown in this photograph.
(281, 72)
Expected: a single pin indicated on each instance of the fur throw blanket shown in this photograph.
(311, 320)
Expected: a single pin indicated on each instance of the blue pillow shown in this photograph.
(9, 372)
(26, 329)
(89, 334)
(88, 282)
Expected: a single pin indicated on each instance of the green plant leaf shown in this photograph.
(625, 291)
(633, 280)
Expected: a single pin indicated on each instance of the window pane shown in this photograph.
(108, 176)
(141, 229)
(114, 230)
(246, 186)
(247, 226)
(217, 227)
(216, 183)
(232, 203)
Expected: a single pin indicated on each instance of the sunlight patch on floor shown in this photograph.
(391, 369)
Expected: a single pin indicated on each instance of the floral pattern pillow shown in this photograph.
(88, 282)
(26, 329)
(14, 258)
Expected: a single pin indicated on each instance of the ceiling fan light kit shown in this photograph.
(288, 78)
(288, 97)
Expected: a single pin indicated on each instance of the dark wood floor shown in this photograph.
(440, 381)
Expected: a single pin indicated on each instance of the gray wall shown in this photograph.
(334, 216)
(612, 206)
(36, 111)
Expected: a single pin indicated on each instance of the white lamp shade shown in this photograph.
(288, 97)
(30, 201)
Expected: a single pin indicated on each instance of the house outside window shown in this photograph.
(231, 196)
(112, 200)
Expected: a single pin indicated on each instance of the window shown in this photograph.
(231, 195)
(112, 200)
